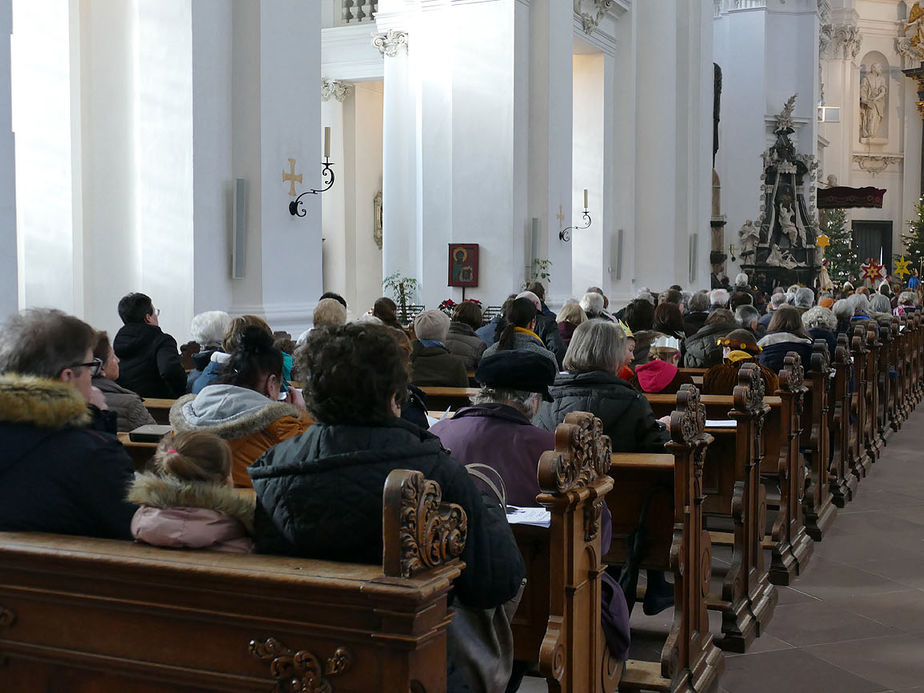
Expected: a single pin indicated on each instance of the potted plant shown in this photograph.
(403, 288)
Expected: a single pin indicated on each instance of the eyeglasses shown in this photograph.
(157, 312)
(95, 365)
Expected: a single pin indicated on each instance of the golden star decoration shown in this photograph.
(901, 267)
(823, 241)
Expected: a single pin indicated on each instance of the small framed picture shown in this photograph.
(463, 264)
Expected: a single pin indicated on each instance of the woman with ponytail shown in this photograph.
(245, 407)
(518, 332)
(188, 501)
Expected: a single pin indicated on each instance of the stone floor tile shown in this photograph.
(790, 670)
(894, 662)
(901, 610)
(822, 622)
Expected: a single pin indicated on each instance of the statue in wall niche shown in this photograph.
(748, 239)
(873, 90)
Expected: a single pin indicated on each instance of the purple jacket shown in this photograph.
(500, 437)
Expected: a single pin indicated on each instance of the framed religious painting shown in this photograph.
(463, 264)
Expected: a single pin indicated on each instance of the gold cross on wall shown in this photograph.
(292, 177)
(560, 216)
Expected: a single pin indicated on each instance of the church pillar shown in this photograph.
(400, 196)
(9, 283)
(550, 134)
(339, 273)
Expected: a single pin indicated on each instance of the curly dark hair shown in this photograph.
(354, 371)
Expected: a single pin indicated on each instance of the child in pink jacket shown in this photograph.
(188, 502)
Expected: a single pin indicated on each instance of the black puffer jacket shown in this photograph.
(319, 495)
(150, 364)
(56, 473)
(626, 415)
(701, 348)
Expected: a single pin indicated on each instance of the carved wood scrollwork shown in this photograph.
(431, 533)
(592, 513)
(300, 671)
(749, 393)
(581, 455)
(688, 420)
(792, 375)
(7, 617)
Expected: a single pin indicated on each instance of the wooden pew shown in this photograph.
(872, 434)
(558, 621)
(690, 659)
(818, 505)
(859, 460)
(81, 614)
(159, 408)
(792, 547)
(842, 481)
(731, 482)
(439, 398)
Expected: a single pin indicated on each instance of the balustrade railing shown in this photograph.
(357, 11)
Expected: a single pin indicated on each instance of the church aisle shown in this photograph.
(854, 622)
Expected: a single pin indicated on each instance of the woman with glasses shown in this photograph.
(127, 405)
(56, 474)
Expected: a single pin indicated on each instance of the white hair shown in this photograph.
(777, 300)
(805, 297)
(907, 298)
(842, 309)
(645, 292)
(592, 303)
(718, 297)
(741, 279)
(859, 303)
(880, 304)
(746, 314)
(208, 328)
(819, 316)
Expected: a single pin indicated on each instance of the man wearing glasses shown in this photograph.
(149, 362)
(57, 474)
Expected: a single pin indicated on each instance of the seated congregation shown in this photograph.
(287, 448)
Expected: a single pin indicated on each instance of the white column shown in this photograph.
(9, 285)
(339, 273)
(400, 159)
(290, 127)
(550, 83)
(658, 249)
(44, 98)
(622, 84)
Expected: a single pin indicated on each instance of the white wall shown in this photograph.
(42, 109)
(589, 257)
(9, 275)
(365, 256)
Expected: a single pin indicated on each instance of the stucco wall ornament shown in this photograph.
(591, 12)
(841, 41)
(332, 88)
(390, 42)
(874, 163)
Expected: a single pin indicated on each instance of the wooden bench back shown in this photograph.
(82, 614)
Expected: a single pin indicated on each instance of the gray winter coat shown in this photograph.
(126, 404)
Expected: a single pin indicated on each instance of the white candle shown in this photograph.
(326, 143)
(585, 199)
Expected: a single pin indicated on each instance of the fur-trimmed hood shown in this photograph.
(228, 411)
(41, 402)
(159, 491)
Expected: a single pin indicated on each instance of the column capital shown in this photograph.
(390, 42)
(333, 88)
(839, 41)
(591, 12)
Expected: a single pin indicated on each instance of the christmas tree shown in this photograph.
(842, 260)
(914, 239)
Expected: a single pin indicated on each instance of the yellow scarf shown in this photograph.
(738, 355)
(523, 330)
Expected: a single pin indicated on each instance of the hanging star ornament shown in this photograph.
(823, 241)
(901, 267)
(872, 270)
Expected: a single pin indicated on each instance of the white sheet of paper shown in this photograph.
(540, 517)
(721, 423)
